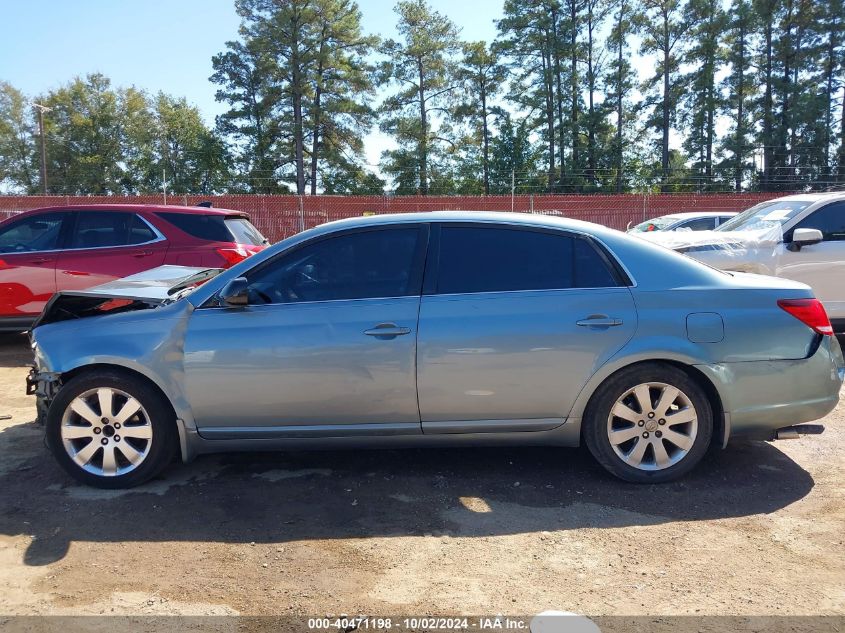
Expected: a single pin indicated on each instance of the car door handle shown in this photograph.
(387, 331)
(40, 260)
(599, 320)
(142, 254)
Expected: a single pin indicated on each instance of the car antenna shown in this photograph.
(206, 204)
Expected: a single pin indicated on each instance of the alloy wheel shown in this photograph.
(652, 426)
(106, 432)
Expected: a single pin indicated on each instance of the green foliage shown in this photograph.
(421, 68)
(745, 94)
(18, 166)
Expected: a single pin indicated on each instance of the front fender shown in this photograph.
(149, 343)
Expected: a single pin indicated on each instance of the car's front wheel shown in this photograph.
(649, 423)
(111, 430)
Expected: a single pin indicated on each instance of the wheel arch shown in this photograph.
(149, 380)
(721, 419)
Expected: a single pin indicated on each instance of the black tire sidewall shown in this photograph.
(158, 409)
(598, 410)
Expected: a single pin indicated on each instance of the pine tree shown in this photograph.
(702, 100)
(422, 64)
(742, 24)
(482, 77)
(664, 27)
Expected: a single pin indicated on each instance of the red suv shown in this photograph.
(75, 247)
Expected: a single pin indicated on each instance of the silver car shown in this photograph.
(435, 329)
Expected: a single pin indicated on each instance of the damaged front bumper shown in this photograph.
(44, 385)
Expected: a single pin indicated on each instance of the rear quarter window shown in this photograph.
(204, 227)
(215, 228)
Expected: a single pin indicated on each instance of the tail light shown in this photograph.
(810, 312)
(233, 255)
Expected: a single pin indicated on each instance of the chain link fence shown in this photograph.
(281, 216)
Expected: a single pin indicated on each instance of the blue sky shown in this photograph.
(167, 45)
(164, 44)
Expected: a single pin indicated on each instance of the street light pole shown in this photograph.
(41, 110)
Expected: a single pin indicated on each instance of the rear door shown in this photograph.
(28, 263)
(106, 245)
(513, 322)
(821, 266)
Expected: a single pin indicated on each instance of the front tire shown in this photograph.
(111, 430)
(649, 423)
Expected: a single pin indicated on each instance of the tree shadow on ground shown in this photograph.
(292, 496)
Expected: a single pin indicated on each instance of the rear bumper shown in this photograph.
(760, 397)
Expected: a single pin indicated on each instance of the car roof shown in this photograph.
(152, 208)
(685, 215)
(813, 197)
(498, 217)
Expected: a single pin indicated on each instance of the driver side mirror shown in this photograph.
(235, 292)
(804, 237)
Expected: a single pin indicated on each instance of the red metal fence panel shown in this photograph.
(281, 216)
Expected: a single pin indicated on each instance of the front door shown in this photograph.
(326, 346)
(514, 326)
(821, 266)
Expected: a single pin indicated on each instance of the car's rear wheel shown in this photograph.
(649, 423)
(111, 430)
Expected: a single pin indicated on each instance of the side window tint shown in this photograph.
(591, 270)
(35, 233)
(204, 227)
(360, 265)
(139, 231)
(99, 229)
(699, 224)
(487, 259)
(830, 220)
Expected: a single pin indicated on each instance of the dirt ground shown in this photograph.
(757, 529)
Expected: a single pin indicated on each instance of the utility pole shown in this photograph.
(41, 110)
(513, 188)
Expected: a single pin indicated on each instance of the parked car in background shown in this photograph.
(800, 237)
(691, 221)
(74, 247)
(436, 329)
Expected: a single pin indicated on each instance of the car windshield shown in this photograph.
(655, 224)
(766, 215)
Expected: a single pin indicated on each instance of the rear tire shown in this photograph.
(111, 430)
(649, 423)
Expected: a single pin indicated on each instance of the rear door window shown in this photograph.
(139, 231)
(105, 229)
(33, 233)
(492, 259)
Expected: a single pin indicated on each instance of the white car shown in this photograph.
(687, 221)
(800, 237)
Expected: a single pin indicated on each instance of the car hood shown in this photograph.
(143, 290)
